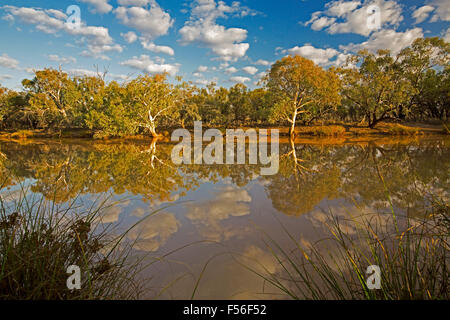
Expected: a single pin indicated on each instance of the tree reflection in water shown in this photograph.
(309, 172)
(229, 199)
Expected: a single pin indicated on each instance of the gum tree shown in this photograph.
(90, 99)
(3, 103)
(187, 106)
(434, 98)
(377, 89)
(150, 98)
(108, 114)
(260, 105)
(50, 95)
(239, 102)
(301, 87)
(426, 65)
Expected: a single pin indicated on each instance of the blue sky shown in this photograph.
(203, 40)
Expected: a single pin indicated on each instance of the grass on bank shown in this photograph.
(401, 130)
(413, 256)
(326, 130)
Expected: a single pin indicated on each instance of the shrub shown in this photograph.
(328, 130)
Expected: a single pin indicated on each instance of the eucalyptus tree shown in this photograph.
(261, 102)
(150, 98)
(239, 102)
(434, 98)
(3, 103)
(426, 65)
(301, 87)
(187, 106)
(89, 100)
(213, 104)
(377, 88)
(50, 95)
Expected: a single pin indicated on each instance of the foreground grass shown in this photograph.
(412, 253)
(40, 240)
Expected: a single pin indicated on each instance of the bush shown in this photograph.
(398, 129)
(328, 130)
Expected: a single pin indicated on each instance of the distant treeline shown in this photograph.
(412, 85)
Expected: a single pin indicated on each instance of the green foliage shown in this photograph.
(301, 88)
(239, 103)
(149, 98)
(434, 98)
(413, 85)
(261, 103)
(187, 105)
(110, 117)
(50, 95)
(377, 89)
(426, 65)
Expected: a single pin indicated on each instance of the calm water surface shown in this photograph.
(223, 211)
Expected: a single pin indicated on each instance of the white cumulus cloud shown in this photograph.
(442, 10)
(446, 35)
(250, 70)
(144, 63)
(129, 37)
(319, 56)
(239, 79)
(342, 16)
(202, 29)
(157, 49)
(262, 62)
(62, 60)
(387, 39)
(8, 62)
(201, 82)
(134, 3)
(422, 13)
(98, 6)
(202, 69)
(151, 23)
(97, 39)
(231, 70)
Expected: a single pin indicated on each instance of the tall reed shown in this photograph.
(39, 240)
(412, 253)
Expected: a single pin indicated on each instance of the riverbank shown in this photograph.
(327, 130)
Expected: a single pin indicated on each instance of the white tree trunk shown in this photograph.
(293, 120)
